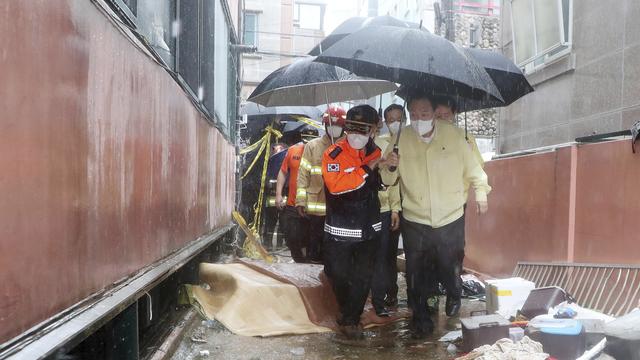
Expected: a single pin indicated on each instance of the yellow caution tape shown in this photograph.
(308, 121)
(264, 144)
(269, 130)
(252, 247)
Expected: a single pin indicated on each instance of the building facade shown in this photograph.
(582, 58)
(476, 24)
(282, 31)
(118, 154)
(410, 10)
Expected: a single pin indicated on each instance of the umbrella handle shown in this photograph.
(395, 145)
(395, 150)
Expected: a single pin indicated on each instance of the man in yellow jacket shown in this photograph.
(433, 164)
(446, 110)
(310, 197)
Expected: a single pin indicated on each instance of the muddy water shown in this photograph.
(390, 342)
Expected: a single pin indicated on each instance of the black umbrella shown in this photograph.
(507, 77)
(306, 82)
(296, 126)
(253, 109)
(412, 57)
(259, 117)
(354, 24)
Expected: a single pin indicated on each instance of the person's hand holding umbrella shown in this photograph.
(391, 160)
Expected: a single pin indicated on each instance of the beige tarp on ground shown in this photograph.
(317, 293)
(254, 298)
(252, 304)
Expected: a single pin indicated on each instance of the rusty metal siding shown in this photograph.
(608, 204)
(527, 214)
(530, 209)
(106, 164)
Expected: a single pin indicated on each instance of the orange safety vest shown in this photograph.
(353, 207)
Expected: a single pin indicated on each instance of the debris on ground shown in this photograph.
(479, 330)
(623, 337)
(472, 286)
(505, 349)
(540, 300)
(199, 336)
(507, 296)
(516, 334)
(297, 351)
(451, 336)
(594, 351)
(561, 338)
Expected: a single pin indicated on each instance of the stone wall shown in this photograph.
(485, 31)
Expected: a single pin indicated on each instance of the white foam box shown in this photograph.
(506, 296)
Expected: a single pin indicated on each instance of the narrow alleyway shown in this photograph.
(389, 342)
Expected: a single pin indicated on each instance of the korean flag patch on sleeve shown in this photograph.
(333, 167)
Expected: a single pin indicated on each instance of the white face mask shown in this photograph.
(334, 131)
(422, 126)
(357, 141)
(394, 127)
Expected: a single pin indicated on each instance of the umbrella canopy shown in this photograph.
(412, 57)
(306, 82)
(253, 109)
(354, 24)
(295, 126)
(260, 117)
(507, 77)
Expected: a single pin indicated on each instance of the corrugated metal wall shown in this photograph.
(106, 166)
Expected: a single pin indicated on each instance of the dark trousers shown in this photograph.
(433, 254)
(271, 217)
(385, 273)
(296, 234)
(349, 266)
(315, 235)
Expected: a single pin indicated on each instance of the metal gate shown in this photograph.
(608, 288)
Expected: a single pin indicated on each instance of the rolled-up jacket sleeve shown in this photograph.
(475, 175)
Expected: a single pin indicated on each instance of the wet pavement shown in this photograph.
(389, 342)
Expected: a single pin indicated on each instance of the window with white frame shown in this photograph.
(308, 16)
(541, 31)
(251, 28)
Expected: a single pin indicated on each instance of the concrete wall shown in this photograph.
(257, 66)
(575, 204)
(596, 89)
(279, 41)
(106, 164)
